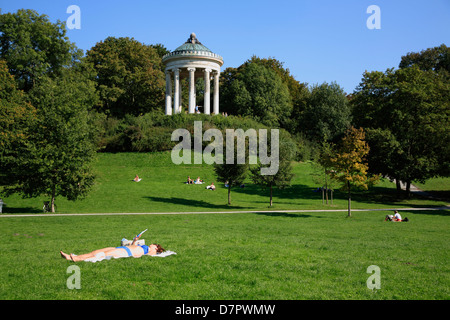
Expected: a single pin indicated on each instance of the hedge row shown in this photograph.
(152, 132)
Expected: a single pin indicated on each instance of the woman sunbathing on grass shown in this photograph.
(136, 251)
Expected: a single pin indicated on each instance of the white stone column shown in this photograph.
(176, 93)
(168, 93)
(191, 90)
(216, 93)
(180, 102)
(207, 96)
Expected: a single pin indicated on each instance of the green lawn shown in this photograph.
(162, 189)
(231, 256)
(259, 255)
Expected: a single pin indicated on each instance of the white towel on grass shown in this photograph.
(101, 256)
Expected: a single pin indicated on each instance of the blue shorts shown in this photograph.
(127, 249)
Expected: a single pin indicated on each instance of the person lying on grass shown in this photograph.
(136, 251)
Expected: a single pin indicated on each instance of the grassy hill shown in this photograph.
(163, 189)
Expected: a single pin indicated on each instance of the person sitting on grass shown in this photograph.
(136, 179)
(396, 217)
(189, 180)
(211, 187)
(198, 181)
(136, 251)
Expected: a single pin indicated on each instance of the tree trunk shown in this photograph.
(349, 200)
(398, 185)
(53, 199)
(408, 189)
(229, 193)
(270, 194)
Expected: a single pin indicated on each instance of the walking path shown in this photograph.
(414, 189)
(212, 212)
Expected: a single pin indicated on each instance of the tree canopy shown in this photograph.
(17, 116)
(408, 110)
(256, 91)
(32, 46)
(327, 114)
(129, 76)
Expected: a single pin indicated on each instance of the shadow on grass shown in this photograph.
(20, 210)
(445, 213)
(286, 214)
(375, 195)
(193, 203)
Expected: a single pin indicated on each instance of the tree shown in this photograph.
(323, 170)
(129, 77)
(348, 163)
(327, 113)
(232, 174)
(385, 155)
(298, 91)
(256, 91)
(33, 47)
(410, 108)
(61, 149)
(432, 59)
(16, 119)
(282, 178)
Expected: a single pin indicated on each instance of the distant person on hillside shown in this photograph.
(136, 179)
(211, 187)
(198, 181)
(189, 180)
(396, 217)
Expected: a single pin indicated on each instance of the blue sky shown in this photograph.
(318, 40)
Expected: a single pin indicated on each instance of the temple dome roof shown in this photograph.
(192, 47)
(192, 44)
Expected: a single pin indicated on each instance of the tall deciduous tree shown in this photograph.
(432, 59)
(256, 91)
(327, 113)
(282, 178)
(410, 107)
(16, 118)
(348, 163)
(233, 174)
(298, 91)
(61, 148)
(129, 77)
(33, 46)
